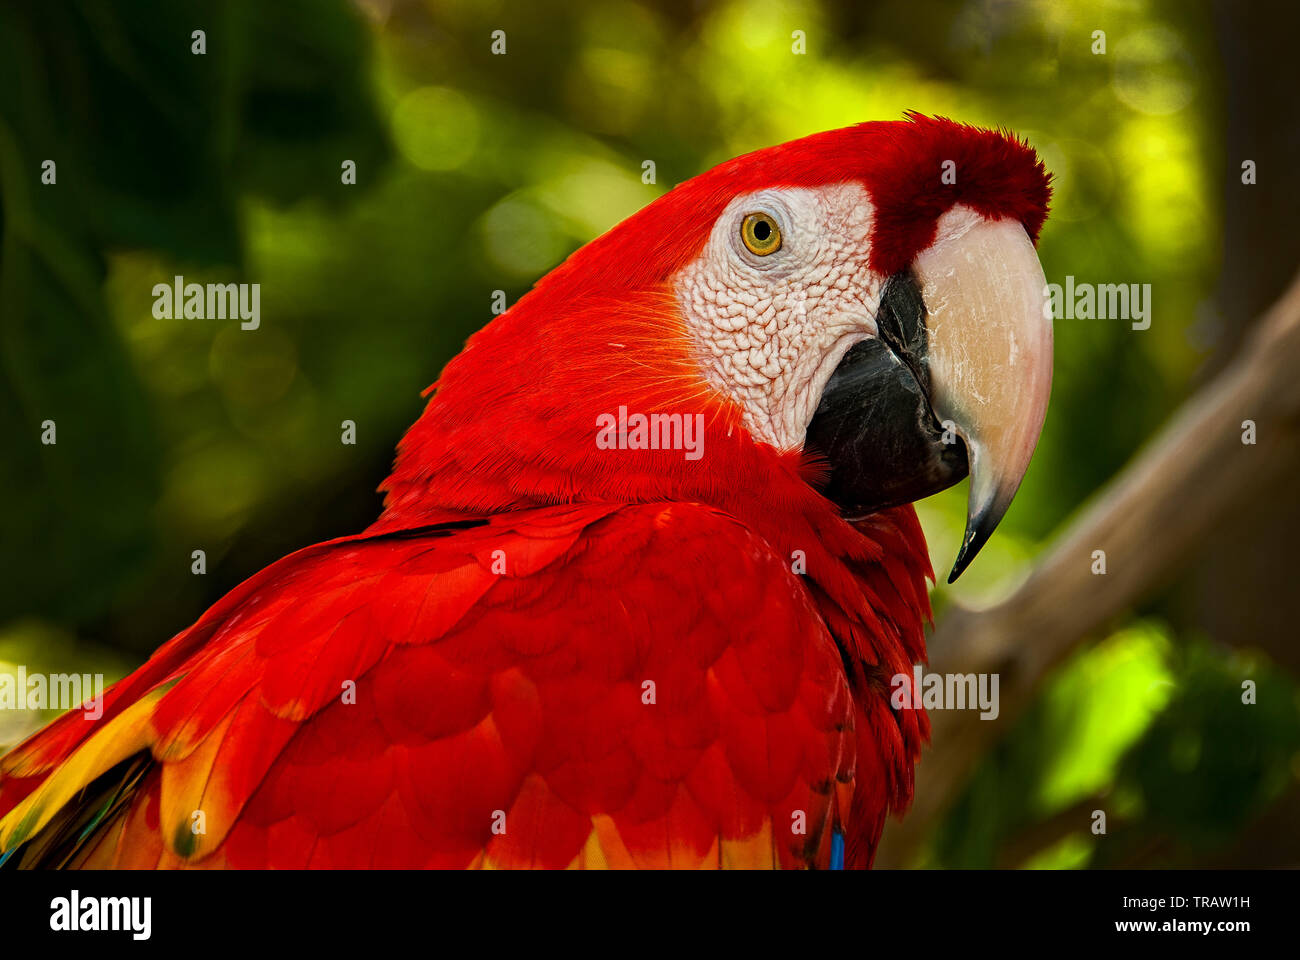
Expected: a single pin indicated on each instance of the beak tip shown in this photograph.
(964, 556)
(979, 528)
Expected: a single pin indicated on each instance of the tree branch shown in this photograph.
(1148, 520)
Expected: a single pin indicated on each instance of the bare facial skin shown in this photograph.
(771, 329)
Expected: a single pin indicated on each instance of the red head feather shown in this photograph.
(511, 421)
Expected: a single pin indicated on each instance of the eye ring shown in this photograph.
(760, 234)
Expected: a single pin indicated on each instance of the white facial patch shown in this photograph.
(771, 329)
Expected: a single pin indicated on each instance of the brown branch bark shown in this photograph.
(1149, 521)
(1036, 837)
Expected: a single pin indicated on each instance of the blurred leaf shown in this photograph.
(153, 146)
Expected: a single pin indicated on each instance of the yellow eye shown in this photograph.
(761, 234)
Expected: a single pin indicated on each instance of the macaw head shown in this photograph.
(853, 321)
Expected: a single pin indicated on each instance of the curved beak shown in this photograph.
(956, 381)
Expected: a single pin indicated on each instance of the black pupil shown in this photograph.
(762, 230)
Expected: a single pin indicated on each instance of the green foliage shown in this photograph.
(1064, 750)
(154, 148)
(1153, 733)
(1212, 760)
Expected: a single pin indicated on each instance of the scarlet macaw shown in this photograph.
(579, 634)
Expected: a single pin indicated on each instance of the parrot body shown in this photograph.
(478, 692)
(549, 653)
